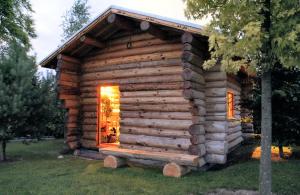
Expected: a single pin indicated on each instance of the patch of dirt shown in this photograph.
(232, 192)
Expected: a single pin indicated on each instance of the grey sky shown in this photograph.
(48, 17)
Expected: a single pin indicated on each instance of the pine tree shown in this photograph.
(16, 73)
(16, 22)
(255, 35)
(75, 18)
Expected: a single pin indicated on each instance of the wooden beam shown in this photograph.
(91, 41)
(147, 26)
(121, 22)
(68, 58)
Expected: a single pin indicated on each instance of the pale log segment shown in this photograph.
(192, 60)
(155, 31)
(216, 124)
(114, 162)
(181, 159)
(175, 170)
(153, 149)
(67, 85)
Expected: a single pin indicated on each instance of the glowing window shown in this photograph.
(230, 105)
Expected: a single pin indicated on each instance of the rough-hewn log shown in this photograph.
(216, 127)
(152, 100)
(114, 162)
(91, 128)
(216, 147)
(68, 58)
(216, 107)
(157, 123)
(88, 143)
(191, 75)
(92, 42)
(156, 93)
(182, 159)
(156, 115)
(155, 31)
(151, 86)
(193, 94)
(215, 136)
(196, 129)
(193, 85)
(216, 158)
(155, 132)
(198, 150)
(152, 149)
(191, 39)
(216, 84)
(67, 66)
(197, 139)
(215, 76)
(234, 136)
(192, 58)
(215, 92)
(129, 73)
(69, 77)
(235, 142)
(156, 107)
(121, 22)
(221, 117)
(152, 141)
(175, 170)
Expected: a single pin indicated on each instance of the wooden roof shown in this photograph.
(107, 24)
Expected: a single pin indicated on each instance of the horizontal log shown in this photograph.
(193, 85)
(235, 142)
(91, 128)
(89, 114)
(152, 149)
(135, 80)
(215, 92)
(68, 77)
(121, 22)
(113, 162)
(152, 86)
(234, 129)
(88, 144)
(215, 76)
(157, 123)
(71, 103)
(197, 69)
(216, 147)
(193, 76)
(216, 136)
(89, 135)
(156, 115)
(67, 84)
(73, 111)
(197, 139)
(216, 84)
(89, 108)
(216, 107)
(213, 100)
(234, 136)
(156, 93)
(174, 170)
(132, 73)
(198, 150)
(156, 107)
(133, 59)
(143, 64)
(152, 100)
(92, 42)
(196, 129)
(154, 132)
(182, 159)
(68, 58)
(155, 31)
(216, 127)
(68, 97)
(152, 141)
(63, 65)
(216, 158)
(192, 58)
(193, 94)
(194, 41)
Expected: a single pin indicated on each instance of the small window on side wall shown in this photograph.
(230, 105)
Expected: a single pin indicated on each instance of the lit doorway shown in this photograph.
(108, 116)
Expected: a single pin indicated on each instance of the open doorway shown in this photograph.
(108, 116)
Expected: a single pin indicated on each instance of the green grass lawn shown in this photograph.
(40, 172)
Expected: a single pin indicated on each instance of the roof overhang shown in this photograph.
(100, 22)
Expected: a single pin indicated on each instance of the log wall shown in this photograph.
(67, 78)
(234, 134)
(154, 114)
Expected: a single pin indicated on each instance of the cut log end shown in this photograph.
(114, 162)
(175, 170)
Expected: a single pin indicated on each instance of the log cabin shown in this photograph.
(134, 89)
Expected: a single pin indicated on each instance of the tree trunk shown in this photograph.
(266, 135)
(3, 146)
(281, 154)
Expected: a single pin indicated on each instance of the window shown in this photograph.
(230, 105)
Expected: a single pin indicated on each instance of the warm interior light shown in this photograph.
(109, 124)
(274, 153)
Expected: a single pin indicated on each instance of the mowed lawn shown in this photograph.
(40, 172)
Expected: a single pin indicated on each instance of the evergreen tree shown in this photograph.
(16, 21)
(16, 73)
(255, 35)
(75, 18)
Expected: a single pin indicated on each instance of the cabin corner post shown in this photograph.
(194, 86)
(67, 86)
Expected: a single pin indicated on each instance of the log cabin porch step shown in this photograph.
(181, 159)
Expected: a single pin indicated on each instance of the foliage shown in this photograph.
(41, 172)
(75, 18)
(285, 99)
(16, 21)
(28, 105)
(237, 34)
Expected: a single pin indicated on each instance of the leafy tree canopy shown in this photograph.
(16, 21)
(75, 18)
(236, 34)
